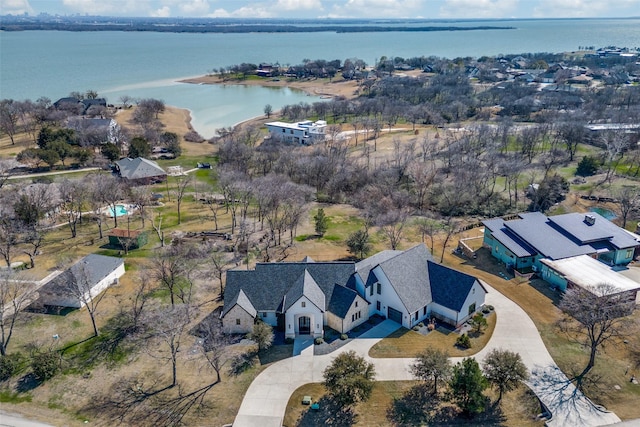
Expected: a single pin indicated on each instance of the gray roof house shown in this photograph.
(81, 282)
(140, 170)
(533, 242)
(301, 298)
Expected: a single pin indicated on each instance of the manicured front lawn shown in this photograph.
(407, 343)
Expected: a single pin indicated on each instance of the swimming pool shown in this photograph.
(606, 213)
(121, 210)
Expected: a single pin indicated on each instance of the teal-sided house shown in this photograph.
(524, 242)
(127, 239)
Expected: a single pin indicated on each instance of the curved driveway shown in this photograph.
(266, 399)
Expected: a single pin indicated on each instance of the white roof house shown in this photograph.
(304, 132)
(586, 272)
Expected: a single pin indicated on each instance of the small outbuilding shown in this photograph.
(82, 282)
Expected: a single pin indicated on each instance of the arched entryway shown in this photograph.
(304, 325)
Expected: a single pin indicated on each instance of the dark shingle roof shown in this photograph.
(267, 285)
(139, 168)
(366, 265)
(449, 288)
(305, 286)
(341, 300)
(90, 270)
(408, 274)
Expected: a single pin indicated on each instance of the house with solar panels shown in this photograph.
(302, 298)
(558, 247)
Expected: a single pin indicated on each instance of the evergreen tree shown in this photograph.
(467, 384)
(322, 222)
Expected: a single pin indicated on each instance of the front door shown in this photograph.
(304, 325)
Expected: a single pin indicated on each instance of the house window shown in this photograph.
(371, 290)
(378, 305)
(472, 308)
(379, 288)
(237, 321)
(424, 311)
(629, 253)
(283, 130)
(356, 303)
(304, 304)
(417, 313)
(264, 314)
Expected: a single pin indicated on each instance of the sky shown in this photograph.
(427, 9)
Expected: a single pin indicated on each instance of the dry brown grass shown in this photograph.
(408, 343)
(518, 408)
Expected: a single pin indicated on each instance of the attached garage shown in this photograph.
(394, 315)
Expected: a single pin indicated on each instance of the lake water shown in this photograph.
(145, 64)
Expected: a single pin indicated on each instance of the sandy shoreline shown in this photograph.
(316, 87)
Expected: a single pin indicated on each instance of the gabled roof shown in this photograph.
(341, 300)
(409, 275)
(139, 168)
(305, 286)
(450, 288)
(241, 300)
(87, 272)
(267, 285)
(366, 265)
(601, 229)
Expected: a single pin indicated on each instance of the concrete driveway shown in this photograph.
(266, 399)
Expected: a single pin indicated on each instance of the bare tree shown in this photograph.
(110, 190)
(78, 284)
(10, 237)
(174, 269)
(180, 193)
(34, 238)
(628, 200)
(214, 343)
(168, 325)
(141, 197)
(156, 223)
(15, 295)
(74, 194)
(392, 226)
(450, 227)
(594, 316)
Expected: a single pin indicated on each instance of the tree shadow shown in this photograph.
(27, 383)
(328, 414)
(130, 402)
(415, 407)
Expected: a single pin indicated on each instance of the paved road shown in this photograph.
(35, 175)
(266, 399)
(14, 420)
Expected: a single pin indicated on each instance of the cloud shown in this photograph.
(102, 7)
(378, 9)
(163, 12)
(15, 7)
(584, 8)
(298, 5)
(243, 12)
(194, 7)
(478, 8)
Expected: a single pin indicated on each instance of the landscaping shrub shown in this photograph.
(319, 341)
(240, 363)
(45, 365)
(416, 328)
(343, 337)
(463, 341)
(421, 324)
(9, 365)
(486, 310)
(289, 340)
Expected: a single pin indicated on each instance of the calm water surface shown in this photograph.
(141, 64)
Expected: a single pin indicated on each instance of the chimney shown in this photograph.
(590, 219)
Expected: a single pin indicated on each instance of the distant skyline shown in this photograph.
(427, 9)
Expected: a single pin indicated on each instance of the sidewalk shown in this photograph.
(266, 399)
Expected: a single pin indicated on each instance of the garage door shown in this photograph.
(394, 315)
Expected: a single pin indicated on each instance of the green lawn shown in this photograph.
(407, 343)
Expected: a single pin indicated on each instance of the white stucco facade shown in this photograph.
(304, 308)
